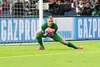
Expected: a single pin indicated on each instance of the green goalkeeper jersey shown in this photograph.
(45, 25)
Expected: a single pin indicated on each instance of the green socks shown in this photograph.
(69, 44)
(39, 39)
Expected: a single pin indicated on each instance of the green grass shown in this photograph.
(54, 55)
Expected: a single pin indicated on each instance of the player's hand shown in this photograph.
(49, 32)
(50, 35)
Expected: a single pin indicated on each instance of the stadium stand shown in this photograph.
(50, 7)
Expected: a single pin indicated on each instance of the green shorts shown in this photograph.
(56, 37)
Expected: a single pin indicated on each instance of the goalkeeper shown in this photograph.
(49, 29)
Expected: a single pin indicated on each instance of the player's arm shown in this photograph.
(51, 31)
(55, 28)
(43, 27)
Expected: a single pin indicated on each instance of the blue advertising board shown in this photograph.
(70, 28)
(87, 28)
(18, 29)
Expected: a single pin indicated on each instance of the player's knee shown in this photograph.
(38, 32)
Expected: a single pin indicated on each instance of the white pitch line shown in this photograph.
(48, 54)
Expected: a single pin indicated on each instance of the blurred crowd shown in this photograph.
(18, 8)
(88, 8)
(27, 8)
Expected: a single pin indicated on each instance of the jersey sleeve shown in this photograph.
(43, 27)
(55, 27)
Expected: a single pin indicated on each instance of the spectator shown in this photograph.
(87, 11)
(96, 8)
(76, 2)
(32, 11)
(5, 8)
(26, 3)
(92, 1)
(58, 9)
(80, 8)
(17, 9)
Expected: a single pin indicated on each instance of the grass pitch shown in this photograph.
(54, 55)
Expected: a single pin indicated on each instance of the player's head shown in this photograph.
(50, 21)
(87, 4)
(81, 2)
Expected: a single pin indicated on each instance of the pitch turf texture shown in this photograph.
(54, 55)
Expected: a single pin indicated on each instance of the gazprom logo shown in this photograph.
(88, 28)
(18, 29)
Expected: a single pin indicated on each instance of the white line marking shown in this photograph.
(48, 54)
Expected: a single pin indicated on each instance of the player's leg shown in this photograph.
(59, 38)
(39, 36)
(69, 44)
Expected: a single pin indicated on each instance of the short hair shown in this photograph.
(88, 2)
(50, 17)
